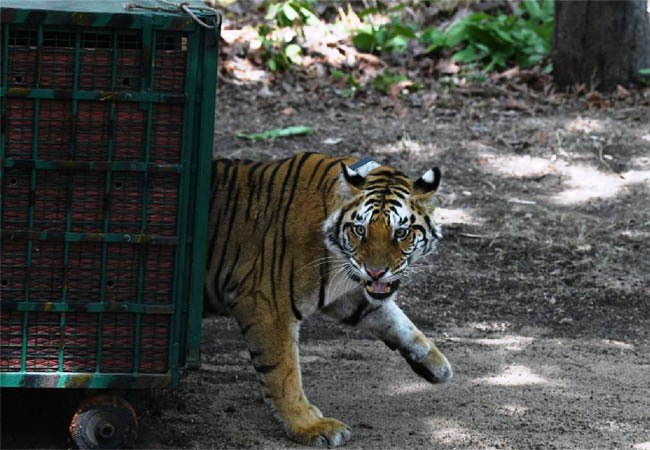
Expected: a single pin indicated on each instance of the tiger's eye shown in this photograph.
(360, 230)
(401, 233)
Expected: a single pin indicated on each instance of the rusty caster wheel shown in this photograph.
(104, 421)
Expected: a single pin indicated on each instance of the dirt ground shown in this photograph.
(539, 295)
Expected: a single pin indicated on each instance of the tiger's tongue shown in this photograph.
(379, 288)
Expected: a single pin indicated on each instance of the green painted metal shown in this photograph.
(82, 380)
(103, 286)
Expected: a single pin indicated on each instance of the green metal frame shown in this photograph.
(193, 169)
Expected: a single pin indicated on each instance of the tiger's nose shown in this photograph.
(375, 273)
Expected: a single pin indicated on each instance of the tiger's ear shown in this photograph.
(351, 181)
(427, 183)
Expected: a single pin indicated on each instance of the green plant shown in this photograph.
(292, 12)
(296, 130)
(497, 41)
(352, 84)
(280, 52)
(389, 37)
(385, 82)
(645, 75)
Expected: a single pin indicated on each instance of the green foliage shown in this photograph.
(479, 40)
(297, 130)
(390, 37)
(496, 42)
(292, 12)
(384, 82)
(352, 84)
(280, 54)
(645, 75)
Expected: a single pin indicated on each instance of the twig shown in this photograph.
(605, 163)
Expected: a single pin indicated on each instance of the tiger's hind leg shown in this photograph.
(272, 338)
(386, 321)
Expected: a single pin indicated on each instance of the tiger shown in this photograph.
(315, 233)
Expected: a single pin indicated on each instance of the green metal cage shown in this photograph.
(107, 128)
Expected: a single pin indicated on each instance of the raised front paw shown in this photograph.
(322, 432)
(434, 367)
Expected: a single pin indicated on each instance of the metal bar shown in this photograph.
(107, 190)
(3, 85)
(84, 380)
(105, 96)
(203, 176)
(64, 306)
(183, 258)
(132, 18)
(148, 60)
(136, 239)
(89, 166)
(68, 219)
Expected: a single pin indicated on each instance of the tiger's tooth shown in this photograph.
(388, 288)
(370, 288)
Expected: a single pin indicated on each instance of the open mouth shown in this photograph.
(379, 290)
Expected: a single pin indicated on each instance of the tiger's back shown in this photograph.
(263, 228)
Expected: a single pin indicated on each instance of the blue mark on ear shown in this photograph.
(362, 162)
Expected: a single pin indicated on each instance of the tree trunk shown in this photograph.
(600, 43)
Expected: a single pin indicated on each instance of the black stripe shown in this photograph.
(270, 185)
(296, 178)
(333, 183)
(324, 266)
(233, 212)
(363, 309)
(420, 228)
(292, 295)
(337, 231)
(215, 233)
(401, 194)
(251, 190)
(432, 229)
(314, 171)
(327, 170)
(247, 328)
(276, 264)
(387, 173)
(261, 183)
(266, 368)
(233, 266)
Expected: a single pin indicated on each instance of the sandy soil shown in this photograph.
(539, 295)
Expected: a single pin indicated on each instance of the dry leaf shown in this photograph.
(447, 67)
(621, 92)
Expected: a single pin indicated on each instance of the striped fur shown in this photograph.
(306, 234)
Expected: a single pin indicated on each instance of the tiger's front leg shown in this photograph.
(386, 321)
(273, 344)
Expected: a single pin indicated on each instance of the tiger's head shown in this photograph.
(384, 223)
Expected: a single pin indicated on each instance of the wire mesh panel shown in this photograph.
(104, 189)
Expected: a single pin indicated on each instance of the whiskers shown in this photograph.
(340, 274)
(320, 261)
(341, 279)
